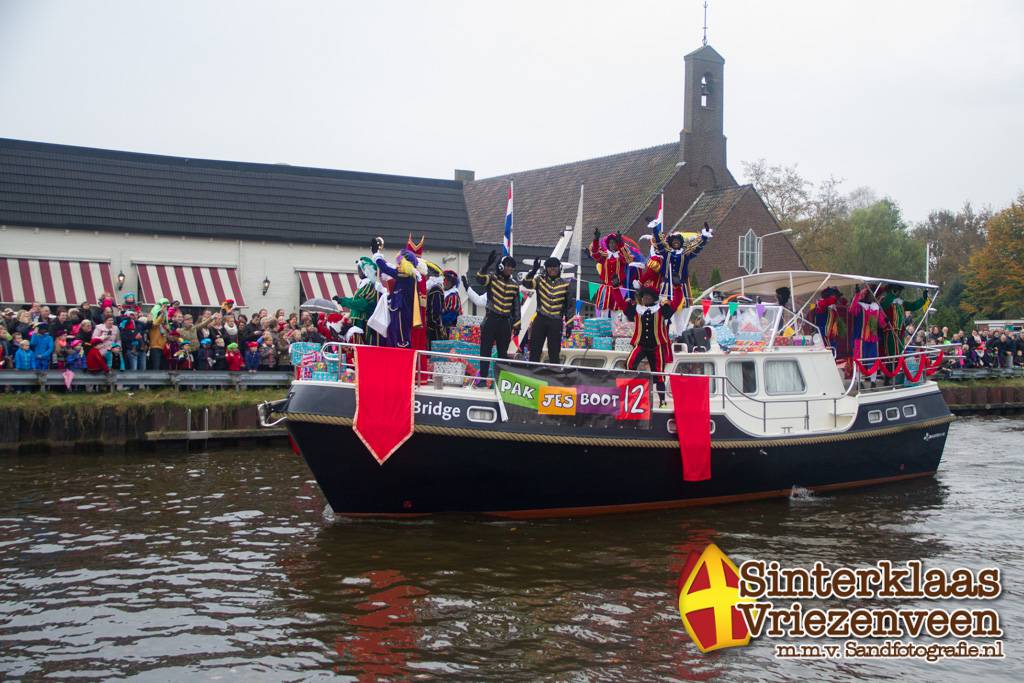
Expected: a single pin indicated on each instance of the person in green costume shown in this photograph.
(895, 309)
(363, 301)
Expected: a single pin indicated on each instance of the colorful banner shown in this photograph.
(574, 396)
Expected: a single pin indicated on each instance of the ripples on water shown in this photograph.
(223, 566)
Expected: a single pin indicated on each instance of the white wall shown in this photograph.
(254, 260)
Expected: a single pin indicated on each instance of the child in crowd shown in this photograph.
(24, 359)
(183, 358)
(220, 361)
(233, 358)
(252, 356)
(268, 352)
(116, 357)
(95, 359)
(74, 360)
(204, 355)
(41, 344)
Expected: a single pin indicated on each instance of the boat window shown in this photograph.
(742, 376)
(620, 364)
(482, 414)
(688, 368)
(874, 416)
(892, 413)
(783, 377)
(910, 410)
(670, 425)
(584, 362)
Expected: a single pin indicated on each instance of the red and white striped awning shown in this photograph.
(191, 285)
(327, 284)
(61, 282)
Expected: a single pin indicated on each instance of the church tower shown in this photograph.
(702, 140)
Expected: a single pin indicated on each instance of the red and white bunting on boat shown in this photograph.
(205, 286)
(63, 282)
(327, 284)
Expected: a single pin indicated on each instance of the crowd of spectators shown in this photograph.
(107, 336)
(996, 348)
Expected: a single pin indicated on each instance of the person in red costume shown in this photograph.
(613, 258)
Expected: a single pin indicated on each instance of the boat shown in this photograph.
(782, 415)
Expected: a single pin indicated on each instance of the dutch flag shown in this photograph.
(508, 222)
(659, 221)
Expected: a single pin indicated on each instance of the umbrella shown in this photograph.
(319, 305)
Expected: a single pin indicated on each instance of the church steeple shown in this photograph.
(702, 140)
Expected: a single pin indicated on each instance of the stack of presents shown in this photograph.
(602, 334)
(310, 363)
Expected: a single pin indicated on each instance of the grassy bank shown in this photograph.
(39, 403)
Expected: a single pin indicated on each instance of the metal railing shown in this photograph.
(726, 392)
(185, 379)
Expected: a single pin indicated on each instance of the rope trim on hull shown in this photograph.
(636, 443)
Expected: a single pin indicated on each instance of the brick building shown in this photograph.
(622, 190)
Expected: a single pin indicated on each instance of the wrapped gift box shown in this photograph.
(622, 344)
(598, 327)
(452, 372)
(622, 328)
(470, 320)
(442, 345)
(466, 333)
(301, 349)
(577, 340)
(603, 343)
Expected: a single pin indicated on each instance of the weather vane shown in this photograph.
(704, 41)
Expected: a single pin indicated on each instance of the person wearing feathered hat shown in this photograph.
(828, 318)
(452, 307)
(676, 252)
(403, 299)
(436, 329)
(650, 334)
(613, 258)
(363, 302)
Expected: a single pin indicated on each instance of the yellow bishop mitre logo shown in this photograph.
(709, 590)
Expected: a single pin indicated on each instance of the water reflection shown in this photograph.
(207, 566)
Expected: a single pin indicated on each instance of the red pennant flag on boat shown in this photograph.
(384, 384)
(691, 401)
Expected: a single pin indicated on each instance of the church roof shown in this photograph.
(707, 53)
(712, 207)
(617, 189)
(60, 186)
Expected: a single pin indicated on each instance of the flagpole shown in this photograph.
(577, 246)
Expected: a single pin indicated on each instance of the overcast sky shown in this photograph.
(922, 101)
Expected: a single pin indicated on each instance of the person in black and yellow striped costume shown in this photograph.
(502, 309)
(554, 304)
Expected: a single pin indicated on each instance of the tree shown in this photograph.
(877, 242)
(716, 277)
(995, 274)
(954, 237)
(782, 188)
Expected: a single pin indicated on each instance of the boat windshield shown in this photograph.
(753, 327)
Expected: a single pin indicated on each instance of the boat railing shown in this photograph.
(920, 353)
(725, 392)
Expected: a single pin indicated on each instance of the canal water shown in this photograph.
(225, 566)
